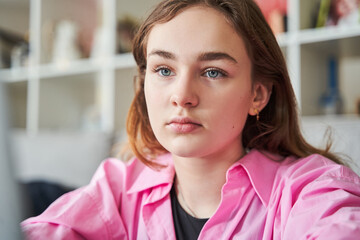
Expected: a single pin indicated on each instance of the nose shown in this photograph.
(185, 92)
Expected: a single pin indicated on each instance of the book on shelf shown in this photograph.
(338, 13)
(275, 12)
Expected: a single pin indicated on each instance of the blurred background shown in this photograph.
(67, 78)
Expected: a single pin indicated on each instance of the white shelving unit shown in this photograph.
(58, 107)
(101, 69)
(110, 74)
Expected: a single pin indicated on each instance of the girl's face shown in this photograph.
(198, 86)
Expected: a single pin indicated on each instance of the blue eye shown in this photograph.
(213, 73)
(164, 72)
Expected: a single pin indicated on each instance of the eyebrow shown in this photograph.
(163, 54)
(207, 56)
(210, 56)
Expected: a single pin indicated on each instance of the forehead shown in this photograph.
(199, 27)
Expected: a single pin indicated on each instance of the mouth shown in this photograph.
(183, 125)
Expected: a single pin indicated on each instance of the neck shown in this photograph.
(199, 181)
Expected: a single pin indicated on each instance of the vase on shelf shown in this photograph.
(331, 101)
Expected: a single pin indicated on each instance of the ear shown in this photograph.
(261, 96)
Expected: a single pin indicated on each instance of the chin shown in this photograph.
(182, 153)
(187, 147)
(185, 152)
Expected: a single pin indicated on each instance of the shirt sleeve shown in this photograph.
(325, 204)
(42, 230)
(90, 212)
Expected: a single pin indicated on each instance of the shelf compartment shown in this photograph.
(14, 27)
(78, 17)
(314, 80)
(14, 15)
(309, 14)
(339, 47)
(129, 15)
(69, 103)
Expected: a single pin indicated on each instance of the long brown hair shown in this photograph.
(277, 130)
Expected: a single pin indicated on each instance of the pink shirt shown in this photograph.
(311, 198)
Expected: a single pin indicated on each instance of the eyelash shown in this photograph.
(221, 72)
(158, 69)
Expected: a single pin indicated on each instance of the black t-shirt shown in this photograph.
(186, 226)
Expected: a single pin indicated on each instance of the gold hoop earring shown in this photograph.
(257, 114)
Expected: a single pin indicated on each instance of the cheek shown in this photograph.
(234, 113)
(149, 93)
(148, 98)
(153, 101)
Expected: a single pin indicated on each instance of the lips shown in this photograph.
(183, 125)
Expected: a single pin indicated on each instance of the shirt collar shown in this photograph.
(145, 177)
(261, 168)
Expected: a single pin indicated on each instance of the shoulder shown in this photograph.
(315, 167)
(275, 168)
(133, 176)
(274, 176)
(318, 198)
(311, 197)
(316, 183)
(115, 177)
(94, 211)
(88, 212)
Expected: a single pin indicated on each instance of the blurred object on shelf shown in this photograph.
(66, 46)
(343, 12)
(126, 29)
(89, 19)
(19, 55)
(14, 49)
(338, 13)
(67, 30)
(99, 43)
(323, 13)
(331, 101)
(47, 40)
(2, 65)
(275, 12)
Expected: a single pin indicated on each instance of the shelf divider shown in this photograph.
(327, 34)
(32, 114)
